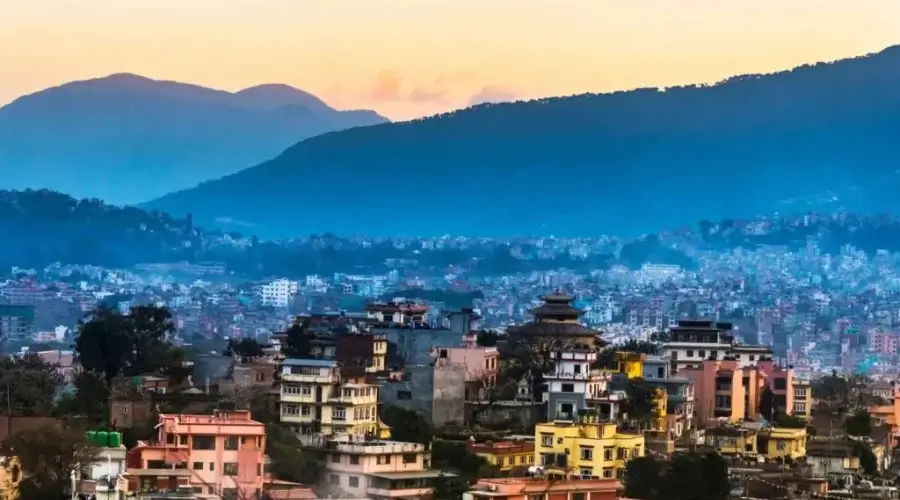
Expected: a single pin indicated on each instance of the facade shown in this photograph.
(436, 390)
(398, 312)
(724, 389)
(782, 443)
(695, 341)
(588, 448)
(803, 402)
(315, 399)
(221, 454)
(540, 488)
(657, 372)
(279, 293)
(505, 455)
(377, 469)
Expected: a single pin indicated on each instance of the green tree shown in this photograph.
(789, 421)
(859, 424)
(247, 349)
(406, 425)
(289, 462)
(298, 343)
(695, 476)
(455, 457)
(639, 397)
(28, 385)
(90, 400)
(47, 456)
(867, 459)
(643, 478)
(767, 403)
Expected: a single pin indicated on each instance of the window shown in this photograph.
(305, 410)
(229, 494)
(499, 461)
(690, 353)
(579, 496)
(800, 407)
(230, 468)
(305, 390)
(577, 368)
(198, 466)
(547, 440)
(383, 459)
(212, 466)
(607, 473)
(354, 459)
(290, 410)
(231, 442)
(353, 481)
(170, 438)
(404, 395)
(334, 479)
(409, 458)
(183, 440)
(203, 442)
(800, 392)
(701, 353)
(339, 414)
(780, 384)
(587, 472)
(587, 453)
(607, 454)
(568, 388)
(779, 445)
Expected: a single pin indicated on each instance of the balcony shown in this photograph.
(305, 378)
(401, 493)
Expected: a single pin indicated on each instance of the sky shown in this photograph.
(411, 58)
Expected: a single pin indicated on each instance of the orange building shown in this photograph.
(544, 488)
(224, 452)
(722, 388)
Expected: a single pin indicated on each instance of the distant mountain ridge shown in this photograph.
(127, 139)
(817, 137)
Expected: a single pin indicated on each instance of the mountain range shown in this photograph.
(128, 139)
(817, 137)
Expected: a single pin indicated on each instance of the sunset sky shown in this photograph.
(408, 58)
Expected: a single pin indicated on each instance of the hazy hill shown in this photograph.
(128, 139)
(815, 137)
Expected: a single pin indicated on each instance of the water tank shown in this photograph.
(115, 439)
(102, 439)
(91, 437)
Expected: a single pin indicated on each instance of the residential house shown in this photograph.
(587, 447)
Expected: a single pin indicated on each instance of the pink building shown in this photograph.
(722, 388)
(224, 452)
(480, 362)
(884, 342)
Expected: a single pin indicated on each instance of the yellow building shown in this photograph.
(630, 364)
(505, 455)
(781, 442)
(587, 448)
(316, 400)
(732, 440)
(10, 477)
(379, 354)
(803, 401)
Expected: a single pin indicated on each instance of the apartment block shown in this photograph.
(315, 399)
(588, 448)
(219, 454)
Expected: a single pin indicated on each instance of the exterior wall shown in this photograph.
(743, 394)
(505, 455)
(350, 464)
(449, 399)
(415, 392)
(803, 401)
(414, 345)
(521, 488)
(597, 450)
(480, 362)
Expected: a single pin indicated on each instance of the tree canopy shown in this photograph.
(28, 385)
(129, 344)
(47, 457)
(687, 476)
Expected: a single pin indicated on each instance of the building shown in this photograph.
(556, 330)
(17, 321)
(542, 488)
(436, 390)
(398, 312)
(279, 293)
(803, 402)
(220, 454)
(657, 372)
(505, 455)
(694, 341)
(724, 389)
(378, 469)
(782, 443)
(732, 440)
(363, 350)
(587, 448)
(315, 399)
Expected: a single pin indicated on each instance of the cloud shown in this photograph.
(386, 87)
(491, 94)
(427, 95)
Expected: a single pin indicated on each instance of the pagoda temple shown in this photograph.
(558, 318)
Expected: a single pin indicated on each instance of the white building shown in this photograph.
(279, 293)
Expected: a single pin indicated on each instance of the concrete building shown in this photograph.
(378, 469)
(542, 488)
(279, 293)
(436, 390)
(221, 454)
(587, 448)
(694, 341)
(315, 399)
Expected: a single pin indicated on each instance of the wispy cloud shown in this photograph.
(492, 94)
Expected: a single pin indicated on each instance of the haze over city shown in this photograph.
(411, 58)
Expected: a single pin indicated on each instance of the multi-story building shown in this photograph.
(657, 372)
(377, 469)
(222, 454)
(782, 443)
(725, 389)
(695, 341)
(315, 399)
(436, 390)
(398, 312)
(587, 448)
(505, 455)
(542, 488)
(803, 401)
(279, 293)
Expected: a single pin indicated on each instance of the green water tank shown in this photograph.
(91, 437)
(115, 439)
(102, 439)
